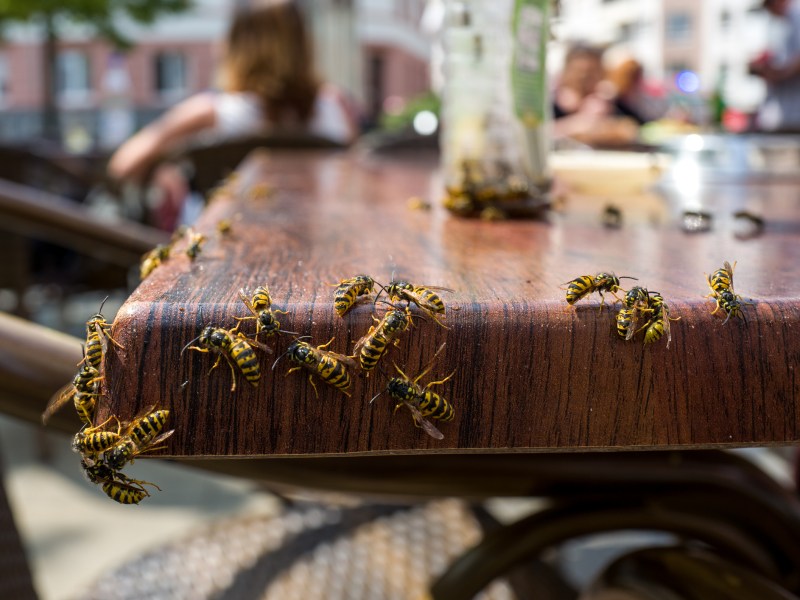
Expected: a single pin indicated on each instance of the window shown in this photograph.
(679, 26)
(171, 74)
(73, 77)
(5, 79)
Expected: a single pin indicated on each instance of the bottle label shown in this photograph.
(528, 73)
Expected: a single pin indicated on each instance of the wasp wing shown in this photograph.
(256, 343)
(60, 398)
(424, 423)
(348, 360)
(632, 329)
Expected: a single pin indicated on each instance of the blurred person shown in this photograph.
(633, 97)
(584, 102)
(779, 67)
(268, 83)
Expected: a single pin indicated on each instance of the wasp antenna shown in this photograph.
(297, 339)
(102, 303)
(392, 304)
(190, 343)
(280, 357)
(627, 277)
(378, 295)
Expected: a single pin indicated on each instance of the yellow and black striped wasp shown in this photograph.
(196, 241)
(125, 491)
(722, 292)
(422, 402)
(635, 302)
(235, 348)
(722, 279)
(260, 305)
(115, 485)
(93, 441)
(153, 259)
(582, 286)
(349, 290)
(658, 325)
(143, 434)
(328, 366)
(98, 334)
(371, 347)
(424, 296)
(82, 391)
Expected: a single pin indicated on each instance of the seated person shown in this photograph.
(584, 103)
(268, 82)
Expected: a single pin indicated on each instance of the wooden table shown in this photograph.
(531, 372)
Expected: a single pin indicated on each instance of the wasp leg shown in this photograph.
(323, 346)
(233, 371)
(314, 385)
(111, 338)
(139, 483)
(95, 428)
(216, 364)
(239, 324)
(433, 316)
(440, 382)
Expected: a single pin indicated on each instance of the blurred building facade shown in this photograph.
(372, 49)
(714, 39)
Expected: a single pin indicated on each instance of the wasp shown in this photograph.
(582, 286)
(721, 284)
(348, 291)
(658, 325)
(423, 296)
(92, 441)
(261, 308)
(154, 259)
(97, 337)
(235, 349)
(96, 471)
(371, 346)
(116, 486)
(730, 303)
(196, 241)
(224, 226)
(636, 301)
(422, 402)
(142, 434)
(626, 322)
(82, 391)
(126, 491)
(329, 366)
(721, 279)
(636, 297)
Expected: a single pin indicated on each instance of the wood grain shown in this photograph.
(532, 374)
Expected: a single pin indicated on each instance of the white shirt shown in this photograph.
(241, 113)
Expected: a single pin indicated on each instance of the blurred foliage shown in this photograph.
(403, 119)
(102, 15)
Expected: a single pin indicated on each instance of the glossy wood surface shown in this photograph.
(531, 372)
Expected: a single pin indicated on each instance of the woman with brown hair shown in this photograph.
(268, 83)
